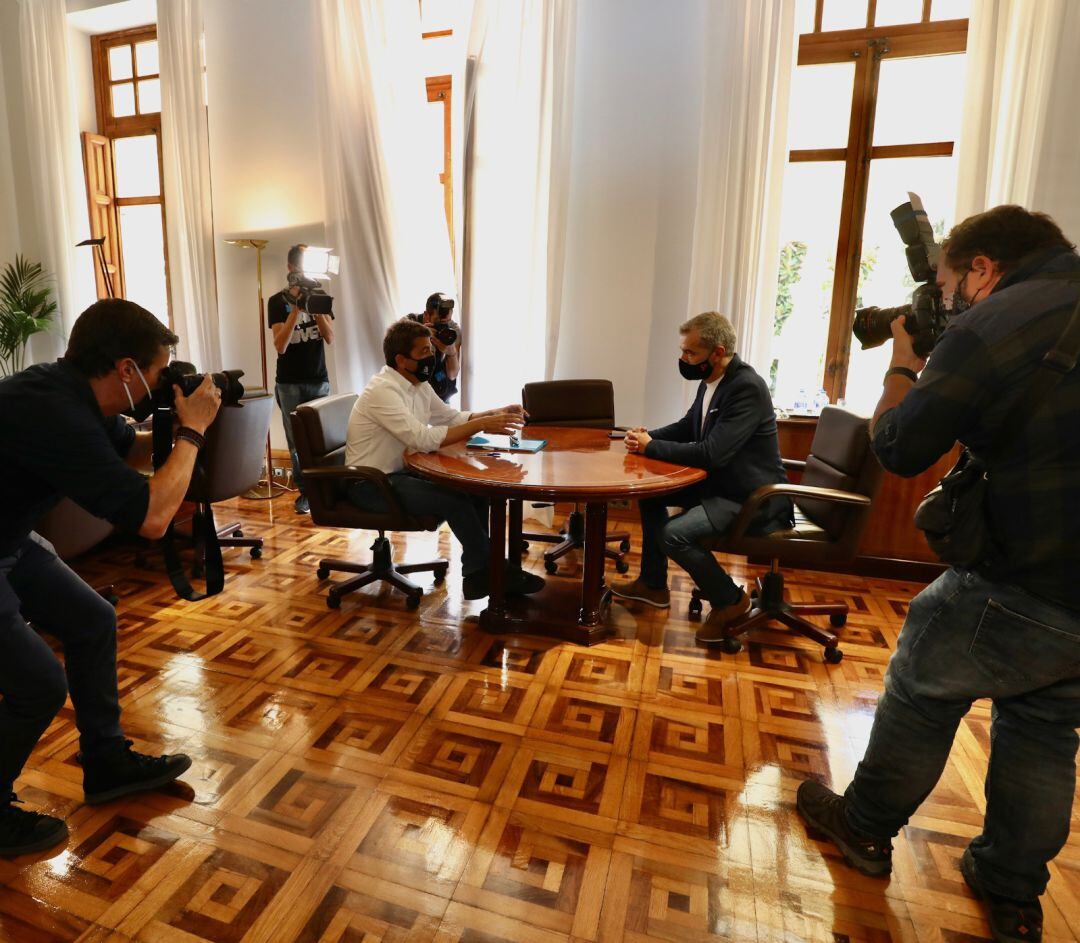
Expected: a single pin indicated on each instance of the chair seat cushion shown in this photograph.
(804, 529)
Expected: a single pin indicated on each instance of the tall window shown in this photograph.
(875, 109)
(123, 168)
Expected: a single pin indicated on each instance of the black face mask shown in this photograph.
(695, 371)
(424, 368)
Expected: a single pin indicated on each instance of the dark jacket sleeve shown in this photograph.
(741, 415)
(679, 431)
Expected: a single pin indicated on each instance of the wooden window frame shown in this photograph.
(866, 47)
(440, 89)
(137, 125)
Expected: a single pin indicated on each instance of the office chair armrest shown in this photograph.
(347, 473)
(793, 464)
(753, 504)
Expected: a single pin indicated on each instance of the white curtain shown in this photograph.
(750, 55)
(52, 132)
(384, 203)
(185, 149)
(1020, 96)
(519, 88)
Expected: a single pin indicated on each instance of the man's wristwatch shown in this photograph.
(902, 372)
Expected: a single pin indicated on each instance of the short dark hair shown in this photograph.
(1005, 234)
(112, 329)
(296, 255)
(400, 337)
(433, 301)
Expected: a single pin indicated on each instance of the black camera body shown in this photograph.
(443, 311)
(926, 317)
(311, 296)
(183, 374)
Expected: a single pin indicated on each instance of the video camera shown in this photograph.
(312, 297)
(926, 317)
(443, 309)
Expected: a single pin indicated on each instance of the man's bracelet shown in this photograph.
(902, 372)
(195, 438)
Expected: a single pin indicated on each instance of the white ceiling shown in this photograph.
(103, 16)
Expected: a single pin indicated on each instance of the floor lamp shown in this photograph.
(258, 245)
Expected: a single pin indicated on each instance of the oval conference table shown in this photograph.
(576, 465)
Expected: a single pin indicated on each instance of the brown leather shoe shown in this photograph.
(712, 632)
(639, 592)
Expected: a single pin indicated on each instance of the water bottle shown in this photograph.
(801, 401)
(821, 400)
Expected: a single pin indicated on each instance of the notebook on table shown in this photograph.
(505, 443)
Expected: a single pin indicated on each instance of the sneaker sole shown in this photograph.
(971, 879)
(858, 863)
(120, 791)
(642, 599)
(50, 841)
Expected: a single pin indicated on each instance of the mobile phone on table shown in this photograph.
(617, 434)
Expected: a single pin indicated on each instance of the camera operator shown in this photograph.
(446, 339)
(1009, 629)
(299, 339)
(62, 435)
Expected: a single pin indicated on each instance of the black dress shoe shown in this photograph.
(23, 832)
(823, 809)
(1011, 921)
(518, 582)
(124, 771)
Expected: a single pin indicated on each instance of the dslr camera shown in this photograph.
(312, 297)
(925, 318)
(443, 310)
(184, 375)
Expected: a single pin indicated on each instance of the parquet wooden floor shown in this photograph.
(375, 774)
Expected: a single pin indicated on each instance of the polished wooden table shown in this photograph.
(577, 465)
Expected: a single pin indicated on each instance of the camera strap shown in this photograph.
(207, 552)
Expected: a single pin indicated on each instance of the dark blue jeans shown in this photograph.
(967, 638)
(467, 515)
(663, 537)
(289, 396)
(37, 586)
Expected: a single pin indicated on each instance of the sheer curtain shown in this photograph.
(734, 261)
(519, 88)
(1022, 77)
(384, 208)
(52, 132)
(185, 158)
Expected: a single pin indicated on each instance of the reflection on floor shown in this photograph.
(376, 774)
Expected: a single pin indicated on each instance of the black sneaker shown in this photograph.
(23, 832)
(301, 505)
(1011, 921)
(823, 809)
(125, 771)
(518, 583)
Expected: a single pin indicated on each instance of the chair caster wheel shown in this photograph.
(621, 566)
(238, 533)
(837, 620)
(624, 545)
(256, 553)
(731, 646)
(333, 602)
(695, 606)
(440, 574)
(551, 566)
(833, 656)
(323, 573)
(412, 601)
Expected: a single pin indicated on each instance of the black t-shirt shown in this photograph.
(56, 443)
(443, 386)
(304, 360)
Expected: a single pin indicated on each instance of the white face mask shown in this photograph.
(145, 406)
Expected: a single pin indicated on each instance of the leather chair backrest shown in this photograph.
(235, 450)
(320, 428)
(841, 458)
(583, 403)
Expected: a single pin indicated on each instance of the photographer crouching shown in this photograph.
(438, 316)
(1005, 624)
(62, 435)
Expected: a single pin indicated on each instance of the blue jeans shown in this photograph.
(967, 638)
(289, 396)
(678, 537)
(466, 515)
(37, 586)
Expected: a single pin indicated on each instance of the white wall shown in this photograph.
(632, 193)
(264, 159)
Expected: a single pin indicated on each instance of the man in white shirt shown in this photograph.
(399, 410)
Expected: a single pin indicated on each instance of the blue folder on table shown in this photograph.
(504, 443)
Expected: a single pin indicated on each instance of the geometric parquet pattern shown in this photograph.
(380, 774)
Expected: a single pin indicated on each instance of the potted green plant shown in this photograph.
(26, 309)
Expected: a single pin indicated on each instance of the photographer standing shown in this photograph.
(1007, 629)
(299, 339)
(446, 339)
(61, 435)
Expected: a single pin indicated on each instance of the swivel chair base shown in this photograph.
(572, 537)
(769, 605)
(381, 567)
(232, 536)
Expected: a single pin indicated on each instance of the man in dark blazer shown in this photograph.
(730, 431)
